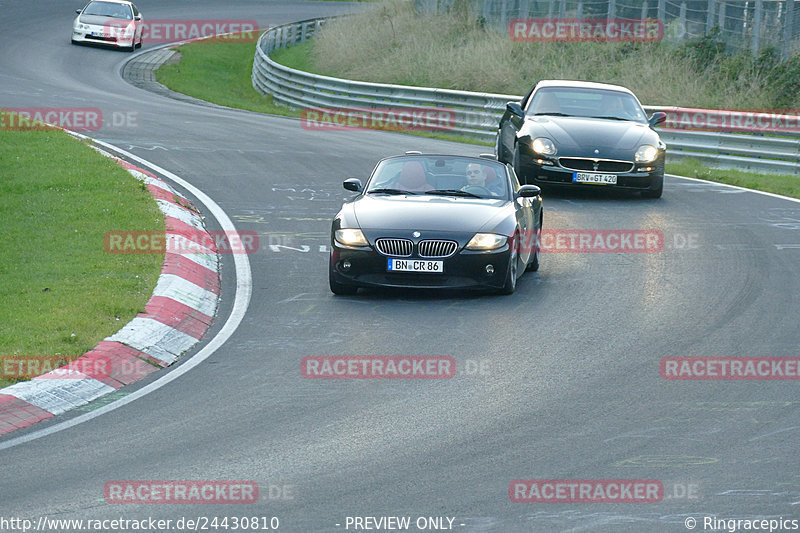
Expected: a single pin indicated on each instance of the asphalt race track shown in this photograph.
(561, 380)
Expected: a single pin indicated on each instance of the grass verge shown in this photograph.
(61, 292)
(220, 73)
(787, 185)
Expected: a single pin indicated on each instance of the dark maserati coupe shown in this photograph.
(574, 133)
(436, 221)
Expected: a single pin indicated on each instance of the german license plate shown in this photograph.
(415, 265)
(589, 177)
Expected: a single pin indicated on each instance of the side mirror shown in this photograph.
(137, 17)
(659, 117)
(515, 109)
(529, 191)
(78, 11)
(352, 184)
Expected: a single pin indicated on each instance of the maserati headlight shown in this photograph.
(544, 146)
(486, 241)
(350, 237)
(646, 153)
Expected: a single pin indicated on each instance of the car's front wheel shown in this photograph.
(510, 284)
(655, 193)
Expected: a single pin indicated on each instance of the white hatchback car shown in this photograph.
(114, 23)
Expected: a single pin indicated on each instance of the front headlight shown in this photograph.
(486, 241)
(646, 153)
(350, 237)
(544, 146)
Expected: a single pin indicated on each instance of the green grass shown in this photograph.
(786, 185)
(220, 73)
(61, 292)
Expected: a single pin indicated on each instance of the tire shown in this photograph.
(655, 193)
(533, 266)
(511, 276)
(515, 165)
(339, 288)
(498, 149)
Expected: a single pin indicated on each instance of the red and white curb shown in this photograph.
(176, 317)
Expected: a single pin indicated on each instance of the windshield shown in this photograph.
(467, 177)
(578, 102)
(109, 9)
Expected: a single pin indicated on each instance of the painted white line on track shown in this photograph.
(244, 289)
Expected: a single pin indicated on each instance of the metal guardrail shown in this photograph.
(477, 114)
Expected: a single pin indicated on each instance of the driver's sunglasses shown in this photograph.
(470, 172)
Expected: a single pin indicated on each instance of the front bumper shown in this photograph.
(541, 171)
(464, 270)
(85, 36)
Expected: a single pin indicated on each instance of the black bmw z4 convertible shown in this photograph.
(582, 134)
(436, 221)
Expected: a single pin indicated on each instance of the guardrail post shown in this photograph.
(788, 27)
(757, 26)
(550, 7)
(721, 17)
(612, 9)
(710, 16)
(562, 9)
(682, 20)
(645, 9)
(580, 10)
(662, 11)
(524, 8)
(503, 18)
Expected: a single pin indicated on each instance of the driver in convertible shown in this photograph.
(478, 177)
